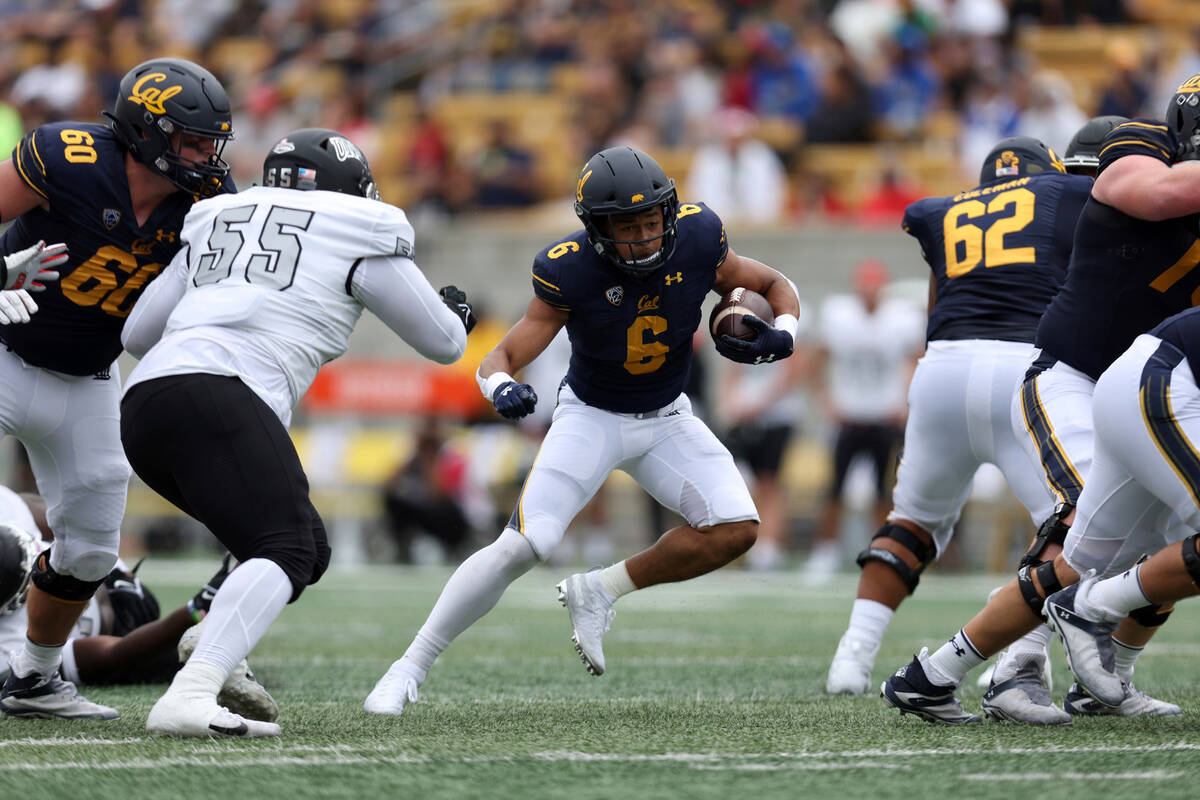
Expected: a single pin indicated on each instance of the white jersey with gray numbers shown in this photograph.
(270, 284)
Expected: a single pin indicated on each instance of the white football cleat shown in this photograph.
(396, 689)
(49, 697)
(850, 672)
(1136, 704)
(196, 715)
(1087, 640)
(241, 693)
(591, 617)
(1024, 698)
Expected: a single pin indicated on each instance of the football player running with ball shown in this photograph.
(629, 289)
(985, 303)
(116, 196)
(270, 287)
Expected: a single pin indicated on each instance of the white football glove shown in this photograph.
(16, 306)
(28, 268)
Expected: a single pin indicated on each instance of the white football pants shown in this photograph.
(959, 418)
(1142, 491)
(70, 428)
(670, 452)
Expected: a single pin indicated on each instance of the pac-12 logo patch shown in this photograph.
(615, 295)
(111, 217)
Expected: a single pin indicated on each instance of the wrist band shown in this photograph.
(788, 323)
(488, 385)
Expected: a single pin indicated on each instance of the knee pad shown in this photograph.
(1046, 577)
(1052, 531)
(1152, 616)
(924, 553)
(67, 588)
(1191, 560)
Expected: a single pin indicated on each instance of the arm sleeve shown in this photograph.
(394, 289)
(146, 322)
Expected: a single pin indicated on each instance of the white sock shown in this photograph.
(1124, 657)
(40, 658)
(199, 677)
(249, 600)
(1115, 597)
(869, 620)
(1033, 646)
(949, 665)
(615, 581)
(472, 591)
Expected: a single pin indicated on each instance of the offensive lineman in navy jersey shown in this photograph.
(1133, 265)
(117, 196)
(628, 288)
(997, 254)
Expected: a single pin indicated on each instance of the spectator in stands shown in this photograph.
(503, 171)
(1052, 115)
(783, 78)
(738, 176)
(1127, 91)
(885, 203)
(841, 116)
(909, 89)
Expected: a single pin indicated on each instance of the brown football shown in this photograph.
(726, 317)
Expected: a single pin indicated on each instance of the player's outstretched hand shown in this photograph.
(16, 306)
(770, 344)
(202, 602)
(514, 400)
(456, 300)
(32, 267)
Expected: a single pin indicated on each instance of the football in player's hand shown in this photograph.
(726, 316)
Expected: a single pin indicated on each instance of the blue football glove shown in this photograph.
(514, 400)
(771, 344)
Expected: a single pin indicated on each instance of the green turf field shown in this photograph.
(714, 689)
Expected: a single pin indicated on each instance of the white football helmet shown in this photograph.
(18, 549)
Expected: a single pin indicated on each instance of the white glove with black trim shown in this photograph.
(16, 306)
(30, 268)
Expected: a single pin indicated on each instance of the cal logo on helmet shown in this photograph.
(152, 97)
(1190, 86)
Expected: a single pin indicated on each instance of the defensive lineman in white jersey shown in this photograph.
(267, 289)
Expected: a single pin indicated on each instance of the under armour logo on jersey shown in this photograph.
(111, 217)
(676, 278)
(615, 295)
(165, 236)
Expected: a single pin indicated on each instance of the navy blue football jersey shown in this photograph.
(1126, 275)
(631, 338)
(998, 253)
(78, 169)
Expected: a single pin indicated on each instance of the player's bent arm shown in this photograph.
(146, 322)
(15, 195)
(772, 284)
(1146, 188)
(394, 289)
(525, 340)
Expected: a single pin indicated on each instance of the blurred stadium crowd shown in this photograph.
(775, 112)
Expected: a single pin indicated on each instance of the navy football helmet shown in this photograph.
(166, 96)
(1083, 153)
(318, 158)
(18, 549)
(1183, 117)
(1017, 157)
(622, 180)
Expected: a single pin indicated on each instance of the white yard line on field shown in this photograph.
(209, 754)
